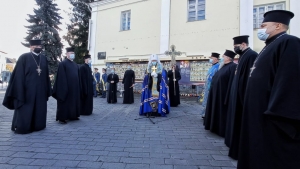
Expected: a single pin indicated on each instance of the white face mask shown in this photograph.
(72, 56)
(262, 34)
(90, 61)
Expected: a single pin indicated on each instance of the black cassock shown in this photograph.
(270, 132)
(236, 101)
(174, 99)
(86, 79)
(217, 101)
(128, 81)
(28, 93)
(112, 88)
(67, 90)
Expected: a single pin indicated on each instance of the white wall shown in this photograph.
(246, 21)
(295, 22)
(214, 34)
(165, 25)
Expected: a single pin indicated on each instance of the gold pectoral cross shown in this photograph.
(153, 69)
(39, 70)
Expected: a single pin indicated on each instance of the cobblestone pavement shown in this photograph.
(112, 139)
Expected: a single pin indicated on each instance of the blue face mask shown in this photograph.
(112, 71)
(221, 60)
(211, 61)
(72, 56)
(262, 35)
(154, 63)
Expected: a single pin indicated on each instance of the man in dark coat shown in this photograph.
(86, 79)
(67, 89)
(104, 83)
(236, 101)
(128, 81)
(217, 103)
(28, 91)
(112, 80)
(173, 82)
(270, 132)
(96, 80)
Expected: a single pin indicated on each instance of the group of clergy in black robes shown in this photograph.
(255, 104)
(29, 89)
(129, 82)
(73, 88)
(112, 87)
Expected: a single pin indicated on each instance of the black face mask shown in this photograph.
(237, 50)
(37, 50)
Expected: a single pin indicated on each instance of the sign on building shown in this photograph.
(101, 55)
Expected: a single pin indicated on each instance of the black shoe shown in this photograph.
(62, 121)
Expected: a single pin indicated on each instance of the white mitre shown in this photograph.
(153, 57)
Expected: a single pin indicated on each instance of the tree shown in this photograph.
(44, 26)
(78, 30)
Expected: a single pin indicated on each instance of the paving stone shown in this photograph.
(20, 161)
(51, 167)
(221, 163)
(153, 160)
(86, 158)
(58, 150)
(137, 166)
(161, 166)
(175, 161)
(185, 167)
(23, 154)
(4, 160)
(65, 157)
(7, 166)
(27, 167)
(64, 163)
(221, 157)
(43, 162)
(208, 167)
(44, 155)
(139, 154)
(89, 164)
(108, 159)
(131, 160)
(113, 166)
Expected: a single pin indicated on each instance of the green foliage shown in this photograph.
(45, 26)
(78, 30)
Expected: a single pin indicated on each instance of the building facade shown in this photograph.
(131, 30)
(2, 61)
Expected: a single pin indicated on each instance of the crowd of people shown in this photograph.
(73, 88)
(254, 104)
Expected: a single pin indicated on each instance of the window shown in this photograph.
(196, 10)
(259, 11)
(125, 20)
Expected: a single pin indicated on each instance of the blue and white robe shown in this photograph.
(210, 74)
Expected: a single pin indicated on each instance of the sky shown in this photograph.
(13, 15)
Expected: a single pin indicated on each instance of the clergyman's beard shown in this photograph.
(221, 65)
